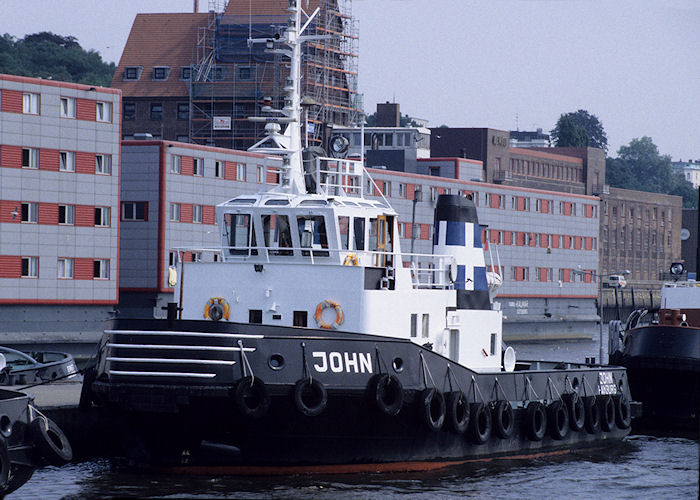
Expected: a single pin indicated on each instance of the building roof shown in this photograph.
(532, 152)
(159, 40)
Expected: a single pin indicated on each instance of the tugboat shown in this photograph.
(313, 343)
(661, 351)
(42, 366)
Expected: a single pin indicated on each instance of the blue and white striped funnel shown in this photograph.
(457, 233)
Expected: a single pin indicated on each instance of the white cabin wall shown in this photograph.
(291, 288)
(475, 329)
(388, 312)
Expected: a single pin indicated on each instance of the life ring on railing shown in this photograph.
(503, 421)
(339, 317)
(351, 260)
(50, 441)
(310, 397)
(558, 419)
(216, 309)
(432, 408)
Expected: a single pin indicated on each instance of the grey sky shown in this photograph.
(633, 63)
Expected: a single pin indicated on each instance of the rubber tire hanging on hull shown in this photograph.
(251, 397)
(480, 423)
(577, 415)
(607, 412)
(503, 421)
(432, 408)
(535, 421)
(310, 397)
(386, 392)
(4, 467)
(623, 412)
(457, 412)
(592, 414)
(52, 444)
(558, 420)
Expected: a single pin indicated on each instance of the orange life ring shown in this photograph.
(216, 309)
(339, 316)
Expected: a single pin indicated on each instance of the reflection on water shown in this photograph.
(639, 467)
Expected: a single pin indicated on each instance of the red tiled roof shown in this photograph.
(159, 40)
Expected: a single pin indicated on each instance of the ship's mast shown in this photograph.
(287, 145)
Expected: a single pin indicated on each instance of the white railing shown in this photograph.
(427, 270)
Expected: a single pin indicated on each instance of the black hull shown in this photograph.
(168, 420)
(663, 367)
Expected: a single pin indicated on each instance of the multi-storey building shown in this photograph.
(59, 209)
(544, 242)
(639, 233)
(169, 191)
(192, 77)
(690, 170)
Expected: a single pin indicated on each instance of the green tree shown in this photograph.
(51, 56)
(639, 166)
(579, 129)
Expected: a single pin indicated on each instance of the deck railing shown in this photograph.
(427, 270)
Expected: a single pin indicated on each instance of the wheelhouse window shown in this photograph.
(359, 233)
(239, 234)
(344, 227)
(277, 233)
(312, 233)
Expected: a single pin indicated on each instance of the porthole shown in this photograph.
(276, 362)
(5, 426)
(397, 364)
(575, 384)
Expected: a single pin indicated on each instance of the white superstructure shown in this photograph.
(314, 252)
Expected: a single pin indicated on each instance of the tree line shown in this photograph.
(55, 57)
(638, 165)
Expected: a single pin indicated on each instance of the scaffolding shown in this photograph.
(230, 78)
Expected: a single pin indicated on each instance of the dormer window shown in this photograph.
(161, 73)
(132, 72)
(186, 73)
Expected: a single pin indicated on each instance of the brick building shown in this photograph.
(59, 209)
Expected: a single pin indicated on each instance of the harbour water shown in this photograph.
(639, 467)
